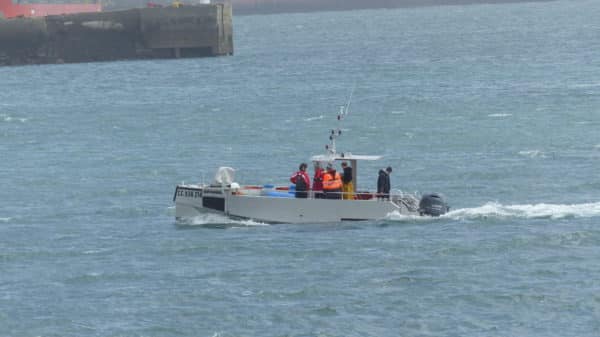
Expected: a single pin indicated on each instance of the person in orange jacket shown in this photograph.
(332, 183)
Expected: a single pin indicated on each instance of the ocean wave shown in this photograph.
(526, 211)
(5, 219)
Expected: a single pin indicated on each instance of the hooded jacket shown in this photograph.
(383, 182)
(302, 174)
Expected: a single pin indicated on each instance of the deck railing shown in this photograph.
(286, 192)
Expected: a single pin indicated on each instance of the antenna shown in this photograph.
(349, 100)
(331, 150)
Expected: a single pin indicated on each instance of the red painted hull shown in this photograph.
(11, 10)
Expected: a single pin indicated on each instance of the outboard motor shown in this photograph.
(433, 205)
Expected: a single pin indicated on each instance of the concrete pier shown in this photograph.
(189, 31)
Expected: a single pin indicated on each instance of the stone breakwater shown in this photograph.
(191, 31)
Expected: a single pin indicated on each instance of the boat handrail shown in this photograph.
(285, 191)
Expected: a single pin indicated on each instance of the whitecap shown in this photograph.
(583, 85)
(95, 251)
(315, 118)
(5, 219)
(498, 115)
(8, 118)
(532, 154)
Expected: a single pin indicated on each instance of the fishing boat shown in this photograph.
(279, 204)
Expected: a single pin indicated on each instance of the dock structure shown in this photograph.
(143, 33)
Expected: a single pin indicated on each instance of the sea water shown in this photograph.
(495, 106)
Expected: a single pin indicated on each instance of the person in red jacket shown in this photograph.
(318, 181)
(302, 181)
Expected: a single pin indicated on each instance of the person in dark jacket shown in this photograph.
(383, 184)
(302, 181)
(347, 184)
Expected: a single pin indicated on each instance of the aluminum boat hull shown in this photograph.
(193, 200)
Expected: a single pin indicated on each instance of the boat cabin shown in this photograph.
(352, 159)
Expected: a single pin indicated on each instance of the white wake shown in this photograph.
(526, 211)
(212, 219)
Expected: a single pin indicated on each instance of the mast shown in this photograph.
(331, 149)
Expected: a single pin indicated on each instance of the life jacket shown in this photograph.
(332, 183)
(318, 180)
